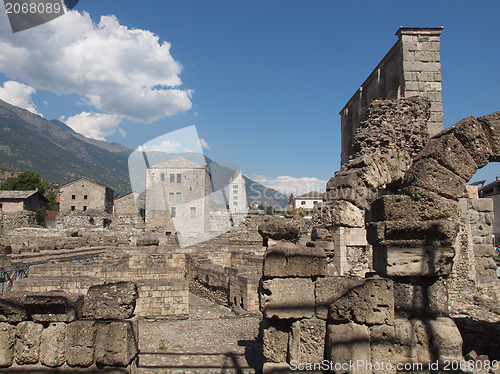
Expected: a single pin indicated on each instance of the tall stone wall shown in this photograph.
(412, 67)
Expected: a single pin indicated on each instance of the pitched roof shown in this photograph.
(18, 194)
(178, 162)
(312, 194)
(87, 179)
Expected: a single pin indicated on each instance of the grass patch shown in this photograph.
(162, 346)
(214, 305)
(497, 260)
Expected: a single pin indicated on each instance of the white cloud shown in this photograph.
(166, 146)
(204, 144)
(288, 185)
(94, 125)
(122, 71)
(18, 94)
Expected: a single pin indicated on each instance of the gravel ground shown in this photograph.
(213, 340)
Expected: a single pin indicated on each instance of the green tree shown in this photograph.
(26, 181)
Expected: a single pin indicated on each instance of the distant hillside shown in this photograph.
(61, 155)
(29, 142)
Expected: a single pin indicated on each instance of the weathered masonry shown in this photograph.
(412, 67)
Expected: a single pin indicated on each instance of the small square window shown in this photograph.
(84, 208)
(85, 197)
(72, 208)
(73, 197)
(235, 203)
(302, 203)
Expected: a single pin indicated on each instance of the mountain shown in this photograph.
(30, 142)
(61, 155)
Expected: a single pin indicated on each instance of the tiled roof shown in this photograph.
(16, 194)
(313, 194)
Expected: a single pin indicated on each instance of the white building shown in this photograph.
(307, 201)
(237, 194)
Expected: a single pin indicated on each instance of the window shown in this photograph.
(302, 202)
(178, 197)
(172, 178)
(85, 197)
(179, 178)
(193, 212)
(162, 177)
(172, 212)
(235, 203)
(73, 197)
(1, 206)
(170, 196)
(235, 186)
(235, 197)
(315, 202)
(84, 208)
(72, 208)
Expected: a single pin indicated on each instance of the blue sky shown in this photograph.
(263, 81)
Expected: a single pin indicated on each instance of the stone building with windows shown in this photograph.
(18, 201)
(178, 197)
(84, 195)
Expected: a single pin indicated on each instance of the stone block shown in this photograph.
(470, 133)
(420, 297)
(491, 127)
(413, 233)
(289, 260)
(446, 339)
(348, 342)
(329, 289)
(371, 303)
(28, 336)
(7, 340)
(482, 205)
(12, 307)
(287, 298)
(484, 250)
(350, 187)
(307, 340)
(80, 338)
(485, 263)
(52, 345)
(53, 306)
(276, 368)
(430, 175)
(449, 152)
(419, 204)
(275, 340)
(319, 233)
(110, 301)
(338, 213)
(382, 346)
(412, 340)
(413, 261)
(277, 228)
(115, 344)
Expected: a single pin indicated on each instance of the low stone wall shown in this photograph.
(10, 221)
(58, 331)
(158, 273)
(230, 285)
